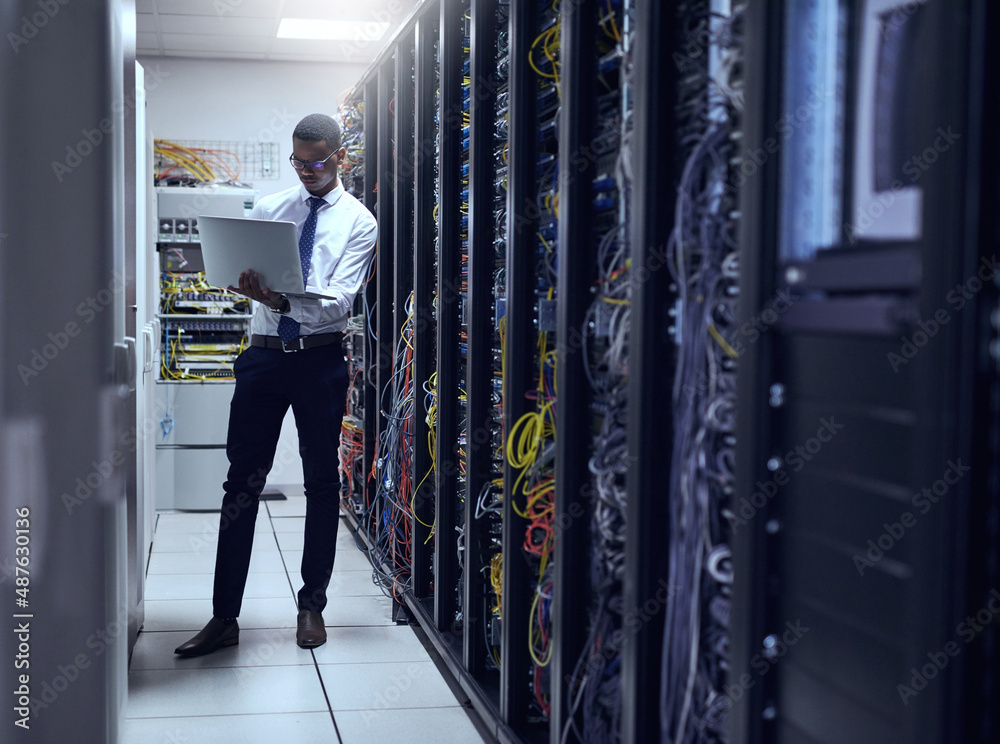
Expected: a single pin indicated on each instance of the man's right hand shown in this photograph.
(250, 286)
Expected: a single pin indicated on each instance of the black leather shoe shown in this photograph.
(216, 634)
(311, 632)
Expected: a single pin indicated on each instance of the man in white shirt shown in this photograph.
(295, 359)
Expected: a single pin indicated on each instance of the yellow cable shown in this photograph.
(194, 155)
(614, 25)
(531, 635)
(190, 165)
(722, 342)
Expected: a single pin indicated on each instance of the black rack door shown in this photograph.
(866, 469)
(424, 284)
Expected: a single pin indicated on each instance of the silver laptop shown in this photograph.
(231, 245)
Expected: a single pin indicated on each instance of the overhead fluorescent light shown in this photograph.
(308, 28)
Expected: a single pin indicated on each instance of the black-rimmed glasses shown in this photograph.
(313, 165)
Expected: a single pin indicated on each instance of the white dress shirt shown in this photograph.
(345, 241)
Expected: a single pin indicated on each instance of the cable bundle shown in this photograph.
(701, 256)
(352, 446)
(595, 715)
(193, 164)
(531, 450)
(392, 545)
(352, 167)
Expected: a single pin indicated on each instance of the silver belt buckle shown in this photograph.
(299, 341)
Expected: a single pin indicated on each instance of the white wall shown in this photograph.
(194, 99)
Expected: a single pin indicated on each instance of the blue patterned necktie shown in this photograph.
(288, 328)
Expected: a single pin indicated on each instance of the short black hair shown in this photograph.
(317, 127)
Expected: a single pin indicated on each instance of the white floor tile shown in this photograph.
(194, 542)
(290, 541)
(358, 611)
(288, 524)
(297, 728)
(192, 614)
(374, 687)
(351, 559)
(347, 540)
(409, 726)
(352, 584)
(199, 586)
(342, 583)
(169, 524)
(233, 690)
(261, 561)
(190, 542)
(177, 614)
(353, 645)
(202, 522)
(347, 559)
(270, 647)
(293, 539)
(378, 676)
(268, 613)
(293, 506)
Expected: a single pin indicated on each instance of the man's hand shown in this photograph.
(250, 287)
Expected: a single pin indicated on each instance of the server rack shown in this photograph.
(468, 113)
(874, 542)
(560, 304)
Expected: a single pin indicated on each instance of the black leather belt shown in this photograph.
(302, 342)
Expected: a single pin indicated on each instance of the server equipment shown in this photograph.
(865, 526)
(204, 329)
(645, 374)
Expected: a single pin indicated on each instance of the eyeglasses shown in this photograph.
(314, 165)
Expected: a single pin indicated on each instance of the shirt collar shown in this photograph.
(331, 198)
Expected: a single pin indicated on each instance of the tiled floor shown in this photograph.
(372, 681)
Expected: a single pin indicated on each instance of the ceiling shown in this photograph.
(247, 29)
